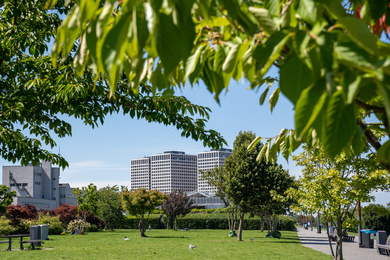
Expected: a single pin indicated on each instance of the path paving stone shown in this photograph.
(351, 250)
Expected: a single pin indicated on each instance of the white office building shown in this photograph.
(207, 161)
(169, 171)
(140, 173)
(38, 185)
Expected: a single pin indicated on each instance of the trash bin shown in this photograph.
(35, 233)
(44, 232)
(381, 237)
(367, 238)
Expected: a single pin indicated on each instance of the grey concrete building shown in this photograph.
(36, 185)
(207, 161)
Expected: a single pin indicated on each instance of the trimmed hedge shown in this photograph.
(208, 221)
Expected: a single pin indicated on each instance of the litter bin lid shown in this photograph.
(368, 231)
(44, 225)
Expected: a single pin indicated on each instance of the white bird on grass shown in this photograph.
(126, 239)
(192, 247)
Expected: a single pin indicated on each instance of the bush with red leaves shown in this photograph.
(67, 213)
(18, 212)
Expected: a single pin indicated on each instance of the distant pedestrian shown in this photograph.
(150, 228)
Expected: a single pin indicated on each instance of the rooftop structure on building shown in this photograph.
(38, 186)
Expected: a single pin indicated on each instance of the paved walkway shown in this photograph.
(351, 250)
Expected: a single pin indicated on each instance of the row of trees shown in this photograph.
(333, 187)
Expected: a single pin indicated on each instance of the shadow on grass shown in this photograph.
(165, 237)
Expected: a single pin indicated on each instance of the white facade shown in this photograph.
(169, 171)
(140, 173)
(35, 185)
(207, 161)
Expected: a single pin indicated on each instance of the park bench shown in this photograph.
(9, 242)
(347, 238)
(31, 243)
(384, 249)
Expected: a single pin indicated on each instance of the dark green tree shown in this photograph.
(178, 204)
(252, 185)
(87, 198)
(6, 198)
(377, 217)
(34, 95)
(109, 207)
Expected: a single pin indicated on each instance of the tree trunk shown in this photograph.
(229, 219)
(239, 237)
(330, 241)
(339, 246)
(262, 225)
(141, 228)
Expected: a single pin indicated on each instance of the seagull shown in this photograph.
(192, 247)
(126, 239)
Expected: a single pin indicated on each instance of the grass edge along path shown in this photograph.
(167, 244)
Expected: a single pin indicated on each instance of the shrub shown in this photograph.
(66, 213)
(286, 223)
(76, 224)
(5, 226)
(55, 225)
(93, 228)
(18, 212)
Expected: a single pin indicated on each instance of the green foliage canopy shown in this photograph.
(109, 206)
(332, 187)
(35, 97)
(6, 198)
(140, 203)
(333, 65)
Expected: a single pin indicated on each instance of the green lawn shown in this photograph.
(167, 244)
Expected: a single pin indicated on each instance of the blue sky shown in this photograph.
(102, 155)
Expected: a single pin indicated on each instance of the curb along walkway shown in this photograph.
(351, 250)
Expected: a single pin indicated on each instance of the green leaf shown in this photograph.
(385, 91)
(376, 8)
(169, 43)
(140, 28)
(192, 61)
(351, 85)
(339, 124)
(273, 99)
(113, 48)
(357, 141)
(230, 63)
(253, 144)
(359, 32)
(295, 76)
(273, 7)
(264, 95)
(307, 9)
(383, 154)
(264, 18)
(308, 107)
(268, 54)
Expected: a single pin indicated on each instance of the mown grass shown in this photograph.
(167, 244)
